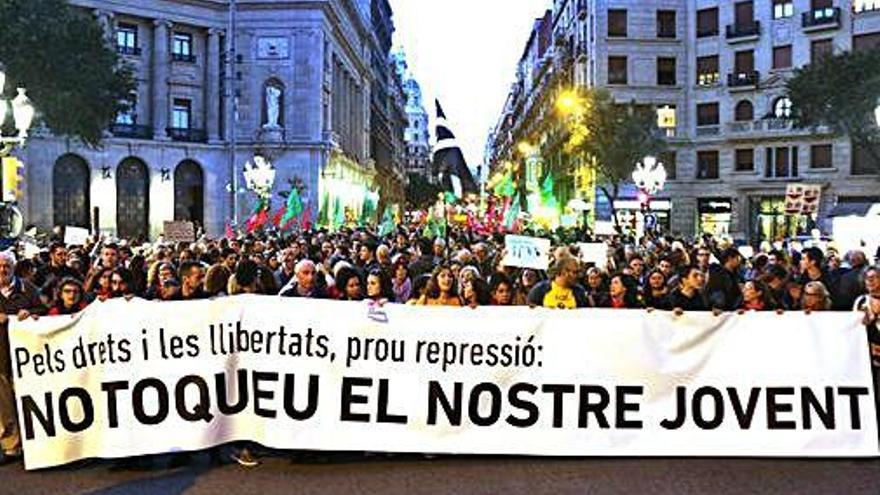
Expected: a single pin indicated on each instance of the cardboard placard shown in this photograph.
(179, 232)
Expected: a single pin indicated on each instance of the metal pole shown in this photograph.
(232, 108)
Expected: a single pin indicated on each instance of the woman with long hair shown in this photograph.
(655, 294)
(475, 293)
(815, 297)
(756, 297)
(441, 289)
(401, 283)
(379, 288)
(99, 287)
(349, 285)
(69, 298)
(500, 290)
(623, 292)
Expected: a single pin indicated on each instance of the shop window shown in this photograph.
(617, 70)
(707, 22)
(744, 160)
(707, 70)
(744, 111)
(666, 24)
(707, 164)
(821, 156)
(782, 57)
(617, 23)
(782, 162)
(666, 71)
(707, 114)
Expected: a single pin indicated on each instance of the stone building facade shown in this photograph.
(296, 88)
(722, 67)
(417, 137)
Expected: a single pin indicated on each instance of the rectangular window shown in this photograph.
(666, 71)
(707, 114)
(181, 47)
(707, 70)
(782, 57)
(865, 42)
(127, 116)
(783, 9)
(180, 113)
(617, 23)
(820, 49)
(863, 162)
(744, 62)
(821, 156)
(666, 24)
(707, 164)
(617, 71)
(669, 161)
(744, 160)
(781, 162)
(744, 13)
(707, 22)
(126, 39)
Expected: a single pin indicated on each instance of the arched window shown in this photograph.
(70, 191)
(189, 192)
(782, 108)
(744, 111)
(132, 199)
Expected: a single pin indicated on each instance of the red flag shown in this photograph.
(305, 220)
(276, 218)
(230, 234)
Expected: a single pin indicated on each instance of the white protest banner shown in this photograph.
(179, 232)
(128, 378)
(75, 236)
(604, 227)
(594, 252)
(526, 252)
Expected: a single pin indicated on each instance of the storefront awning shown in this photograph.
(858, 209)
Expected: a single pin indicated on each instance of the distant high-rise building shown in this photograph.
(418, 138)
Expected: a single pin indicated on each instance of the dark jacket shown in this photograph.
(23, 296)
(680, 300)
(850, 286)
(722, 289)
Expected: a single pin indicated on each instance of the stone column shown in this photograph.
(212, 86)
(160, 79)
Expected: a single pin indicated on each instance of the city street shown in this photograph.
(466, 475)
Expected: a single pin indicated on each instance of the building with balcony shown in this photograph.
(296, 87)
(722, 67)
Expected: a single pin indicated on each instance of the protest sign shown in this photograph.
(126, 378)
(527, 252)
(604, 227)
(75, 236)
(594, 252)
(179, 232)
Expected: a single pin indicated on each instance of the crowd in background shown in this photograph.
(461, 269)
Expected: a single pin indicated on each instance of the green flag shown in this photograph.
(547, 194)
(387, 225)
(324, 211)
(338, 214)
(294, 206)
(505, 188)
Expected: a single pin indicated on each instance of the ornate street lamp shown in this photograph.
(259, 176)
(649, 175)
(22, 114)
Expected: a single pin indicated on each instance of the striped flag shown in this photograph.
(449, 162)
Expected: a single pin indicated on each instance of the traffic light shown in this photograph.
(13, 173)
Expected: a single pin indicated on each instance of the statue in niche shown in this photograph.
(273, 107)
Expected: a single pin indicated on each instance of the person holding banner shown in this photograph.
(655, 294)
(869, 304)
(441, 289)
(756, 297)
(688, 296)
(21, 298)
(69, 298)
(562, 290)
(623, 293)
(501, 290)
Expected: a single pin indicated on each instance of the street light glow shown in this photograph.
(525, 148)
(568, 102)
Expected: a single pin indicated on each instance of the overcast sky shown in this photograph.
(465, 52)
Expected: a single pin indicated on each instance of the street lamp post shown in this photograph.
(22, 114)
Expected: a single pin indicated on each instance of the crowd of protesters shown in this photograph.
(405, 267)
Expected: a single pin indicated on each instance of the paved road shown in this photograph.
(345, 473)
